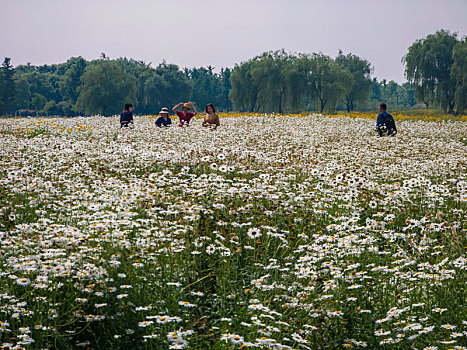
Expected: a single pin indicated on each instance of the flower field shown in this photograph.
(299, 232)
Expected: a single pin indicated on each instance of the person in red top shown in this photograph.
(185, 116)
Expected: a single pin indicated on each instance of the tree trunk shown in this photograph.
(253, 103)
(280, 103)
(451, 108)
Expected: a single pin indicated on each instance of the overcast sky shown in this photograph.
(194, 33)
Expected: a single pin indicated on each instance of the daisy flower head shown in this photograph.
(254, 233)
(186, 304)
(163, 319)
(23, 281)
(144, 324)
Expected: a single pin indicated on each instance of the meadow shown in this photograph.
(272, 232)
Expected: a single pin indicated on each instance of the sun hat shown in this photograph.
(164, 111)
(186, 105)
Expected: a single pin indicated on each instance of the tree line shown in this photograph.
(103, 86)
(436, 69)
(277, 81)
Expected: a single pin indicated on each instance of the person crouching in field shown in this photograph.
(164, 119)
(385, 122)
(126, 117)
(211, 119)
(185, 116)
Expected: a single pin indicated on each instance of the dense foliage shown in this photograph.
(80, 87)
(437, 71)
(271, 82)
(281, 82)
(459, 72)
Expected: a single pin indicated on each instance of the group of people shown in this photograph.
(385, 123)
(211, 119)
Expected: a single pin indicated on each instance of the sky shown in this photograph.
(222, 33)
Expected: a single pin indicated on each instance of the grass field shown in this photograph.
(273, 232)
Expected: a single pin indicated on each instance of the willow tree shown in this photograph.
(280, 80)
(245, 90)
(428, 66)
(166, 86)
(327, 81)
(106, 87)
(459, 73)
(270, 82)
(360, 70)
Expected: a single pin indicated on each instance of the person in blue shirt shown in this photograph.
(385, 122)
(164, 119)
(126, 117)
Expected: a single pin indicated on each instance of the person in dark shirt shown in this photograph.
(385, 122)
(164, 119)
(126, 117)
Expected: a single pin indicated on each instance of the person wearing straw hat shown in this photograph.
(164, 119)
(185, 116)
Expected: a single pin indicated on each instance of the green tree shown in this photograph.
(38, 101)
(8, 86)
(410, 95)
(23, 92)
(428, 66)
(459, 73)
(271, 82)
(360, 70)
(327, 81)
(51, 108)
(70, 80)
(154, 92)
(177, 86)
(222, 99)
(106, 87)
(65, 108)
(142, 72)
(2, 89)
(245, 90)
(376, 90)
(40, 83)
(275, 74)
(394, 95)
(206, 85)
(268, 73)
(165, 86)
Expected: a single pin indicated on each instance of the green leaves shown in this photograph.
(278, 82)
(360, 70)
(459, 73)
(106, 87)
(428, 66)
(326, 80)
(7, 86)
